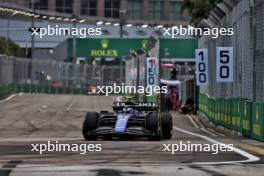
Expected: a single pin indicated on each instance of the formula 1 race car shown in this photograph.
(128, 120)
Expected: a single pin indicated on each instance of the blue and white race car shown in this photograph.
(128, 120)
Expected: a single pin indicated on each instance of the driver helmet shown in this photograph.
(129, 100)
(129, 110)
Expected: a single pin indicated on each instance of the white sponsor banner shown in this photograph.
(152, 71)
(201, 65)
(224, 64)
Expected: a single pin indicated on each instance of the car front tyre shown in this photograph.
(90, 124)
(152, 124)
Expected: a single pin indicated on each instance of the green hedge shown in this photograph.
(4, 90)
(34, 88)
(236, 114)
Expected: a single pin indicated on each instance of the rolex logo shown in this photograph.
(144, 43)
(104, 44)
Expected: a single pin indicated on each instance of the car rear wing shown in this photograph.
(142, 106)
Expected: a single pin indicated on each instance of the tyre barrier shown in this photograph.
(236, 114)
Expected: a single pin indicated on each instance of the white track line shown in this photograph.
(192, 121)
(202, 127)
(208, 132)
(8, 98)
(251, 158)
(207, 129)
(198, 122)
(70, 106)
(213, 131)
(198, 125)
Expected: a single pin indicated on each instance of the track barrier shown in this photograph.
(236, 114)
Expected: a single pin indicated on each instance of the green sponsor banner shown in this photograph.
(116, 47)
(236, 119)
(229, 112)
(246, 118)
(113, 47)
(214, 109)
(178, 48)
(236, 114)
(258, 121)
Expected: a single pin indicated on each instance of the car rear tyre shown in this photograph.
(90, 124)
(166, 125)
(152, 124)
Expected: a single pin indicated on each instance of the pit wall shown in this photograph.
(235, 114)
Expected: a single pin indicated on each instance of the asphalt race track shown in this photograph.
(37, 118)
